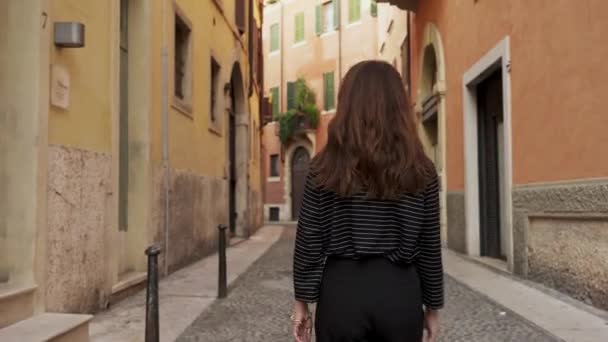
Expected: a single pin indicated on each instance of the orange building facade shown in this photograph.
(510, 99)
(317, 41)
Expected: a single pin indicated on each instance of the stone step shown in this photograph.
(51, 327)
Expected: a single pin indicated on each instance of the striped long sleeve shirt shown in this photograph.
(405, 230)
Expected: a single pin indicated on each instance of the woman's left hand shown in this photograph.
(302, 323)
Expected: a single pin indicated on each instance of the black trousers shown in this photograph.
(369, 300)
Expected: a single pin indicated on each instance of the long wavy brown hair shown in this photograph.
(373, 144)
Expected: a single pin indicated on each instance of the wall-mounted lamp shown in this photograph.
(69, 35)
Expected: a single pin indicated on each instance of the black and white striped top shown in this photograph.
(405, 231)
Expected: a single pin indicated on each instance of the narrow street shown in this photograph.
(259, 303)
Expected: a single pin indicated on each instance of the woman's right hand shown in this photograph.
(431, 325)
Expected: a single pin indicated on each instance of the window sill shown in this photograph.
(182, 107)
(328, 112)
(273, 179)
(354, 23)
(274, 53)
(214, 128)
(298, 44)
(327, 34)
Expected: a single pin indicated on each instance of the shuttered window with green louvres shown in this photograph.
(274, 37)
(336, 6)
(329, 91)
(354, 11)
(291, 95)
(374, 8)
(276, 101)
(299, 31)
(318, 21)
(327, 17)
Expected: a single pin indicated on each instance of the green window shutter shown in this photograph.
(276, 101)
(291, 95)
(374, 8)
(354, 11)
(328, 91)
(336, 4)
(302, 23)
(331, 90)
(299, 31)
(318, 21)
(274, 37)
(324, 91)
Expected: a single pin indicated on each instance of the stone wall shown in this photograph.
(256, 212)
(561, 238)
(78, 188)
(197, 205)
(456, 222)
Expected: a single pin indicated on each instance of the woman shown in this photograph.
(368, 247)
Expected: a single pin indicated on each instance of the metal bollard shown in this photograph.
(152, 321)
(222, 291)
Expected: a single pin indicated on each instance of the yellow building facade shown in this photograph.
(149, 133)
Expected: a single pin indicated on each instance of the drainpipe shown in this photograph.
(339, 43)
(409, 54)
(282, 52)
(165, 130)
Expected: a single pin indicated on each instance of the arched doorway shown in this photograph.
(238, 148)
(299, 170)
(432, 108)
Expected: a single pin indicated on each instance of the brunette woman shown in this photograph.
(368, 247)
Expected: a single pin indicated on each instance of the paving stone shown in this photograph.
(259, 305)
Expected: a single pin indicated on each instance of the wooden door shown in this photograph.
(299, 170)
(490, 111)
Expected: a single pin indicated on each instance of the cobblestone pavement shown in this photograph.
(258, 308)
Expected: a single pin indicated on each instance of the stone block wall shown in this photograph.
(456, 222)
(197, 205)
(78, 187)
(561, 238)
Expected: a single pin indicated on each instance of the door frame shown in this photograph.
(291, 175)
(498, 58)
(287, 215)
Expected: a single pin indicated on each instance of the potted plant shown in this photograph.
(303, 115)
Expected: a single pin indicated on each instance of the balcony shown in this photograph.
(409, 5)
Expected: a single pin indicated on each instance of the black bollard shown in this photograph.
(152, 321)
(222, 291)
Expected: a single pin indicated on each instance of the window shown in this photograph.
(215, 79)
(274, 37)
(239, 15)
(299, 31)
(291, 95)
(405, 63)
(374, 8)
(274, 165)
(182, 62)
(274, 214)
(327, 17)
(328, 91)
(276, 101)
(354, 11)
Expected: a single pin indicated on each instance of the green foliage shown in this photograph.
(287, 125)
(313, 114)
(305, 105)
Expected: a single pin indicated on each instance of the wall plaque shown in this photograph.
(60, 87)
